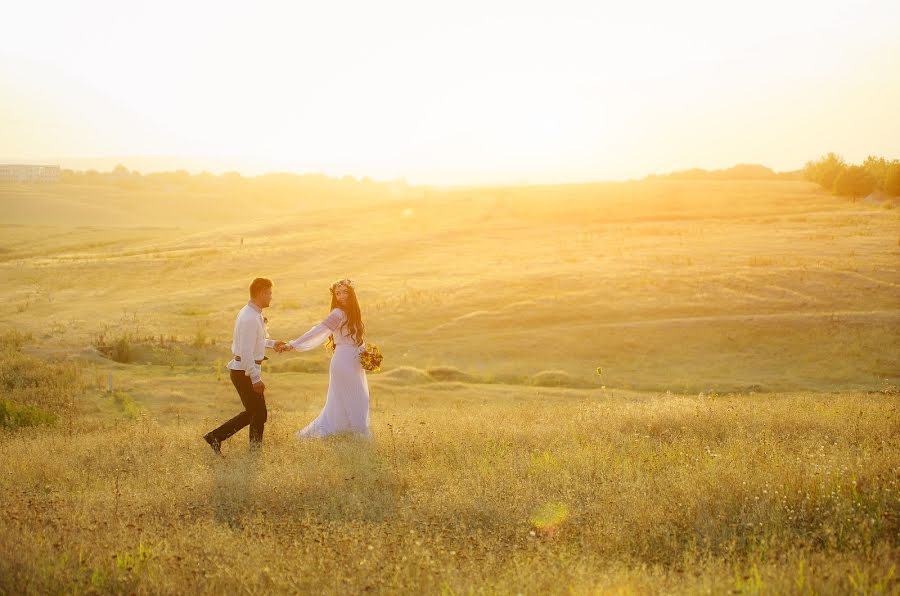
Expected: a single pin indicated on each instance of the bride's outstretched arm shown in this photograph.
(317, 334)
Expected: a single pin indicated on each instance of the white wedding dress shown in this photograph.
(347, 402)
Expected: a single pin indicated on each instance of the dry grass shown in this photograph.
(489, 490)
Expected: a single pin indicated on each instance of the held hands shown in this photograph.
(281, 346)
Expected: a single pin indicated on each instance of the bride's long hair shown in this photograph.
(354, 316)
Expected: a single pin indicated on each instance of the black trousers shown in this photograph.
(254, 414)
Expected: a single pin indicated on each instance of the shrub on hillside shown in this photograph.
(13, 415)
(892, 180)
(832, 173)
(854, 182)
(877, 168)
(118, 349)
(824, 171)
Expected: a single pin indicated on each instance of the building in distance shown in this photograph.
(28, 173)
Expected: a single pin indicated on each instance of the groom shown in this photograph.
(249, 347)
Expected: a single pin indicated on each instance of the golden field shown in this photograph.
(742, 435)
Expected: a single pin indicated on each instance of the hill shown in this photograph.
(665, 284)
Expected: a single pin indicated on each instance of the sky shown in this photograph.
(460, 92)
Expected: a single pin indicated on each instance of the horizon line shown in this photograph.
(197, 170)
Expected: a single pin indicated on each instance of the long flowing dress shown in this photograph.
(347, 402)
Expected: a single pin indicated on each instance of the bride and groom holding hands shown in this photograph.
(347, 401)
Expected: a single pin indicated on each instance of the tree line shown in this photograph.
(234, 184)
(834, 174)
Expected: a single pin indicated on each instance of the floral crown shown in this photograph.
(342, 282)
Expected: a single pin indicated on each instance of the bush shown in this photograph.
(831, 172)
(13, 415)
(121, 349)
(892, 180)
(825, 171)
(118, 349)
(854, 182)
(877, 168)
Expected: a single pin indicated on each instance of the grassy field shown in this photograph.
(741, 437)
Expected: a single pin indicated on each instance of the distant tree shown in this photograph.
(892, 179)
(825, 171)
(854, 182)
(877, 167)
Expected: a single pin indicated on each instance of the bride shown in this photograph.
(347, 402)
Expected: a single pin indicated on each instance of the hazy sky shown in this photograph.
(452, 92)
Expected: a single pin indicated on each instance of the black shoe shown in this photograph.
(214, 443)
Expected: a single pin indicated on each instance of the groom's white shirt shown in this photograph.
(251, 338)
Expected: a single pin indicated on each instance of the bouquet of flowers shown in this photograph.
(370, 358)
